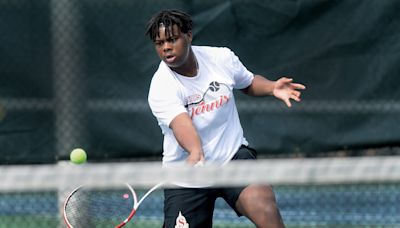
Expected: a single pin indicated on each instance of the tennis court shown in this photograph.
(305, 206)
(364, 197)
(76, 73)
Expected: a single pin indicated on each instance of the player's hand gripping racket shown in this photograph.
(85, 207)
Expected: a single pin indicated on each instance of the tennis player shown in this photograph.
(191, 96)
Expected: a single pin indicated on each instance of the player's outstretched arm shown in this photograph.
(188, 138)
(283, 88)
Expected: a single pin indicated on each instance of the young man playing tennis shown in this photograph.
(191, 95)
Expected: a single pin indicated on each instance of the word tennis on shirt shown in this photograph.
(204, 107)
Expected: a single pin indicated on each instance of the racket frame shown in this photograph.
(135, 206)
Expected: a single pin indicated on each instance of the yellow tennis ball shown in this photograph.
(78, 156)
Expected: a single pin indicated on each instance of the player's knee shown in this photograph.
(264, 193)
(266, 206)
(261, 197)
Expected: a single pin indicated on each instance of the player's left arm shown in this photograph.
(283, 88)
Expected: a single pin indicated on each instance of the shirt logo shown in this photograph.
(216, 95)
(192, 99)
(181, 221)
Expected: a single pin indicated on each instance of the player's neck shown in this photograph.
(190, 68)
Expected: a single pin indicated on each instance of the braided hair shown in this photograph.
(167, 18)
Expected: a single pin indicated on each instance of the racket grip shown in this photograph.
(199, 164)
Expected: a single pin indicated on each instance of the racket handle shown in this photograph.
(133, 212)
(199, 164)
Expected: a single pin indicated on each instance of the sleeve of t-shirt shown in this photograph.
(241, 75)
(165, 100)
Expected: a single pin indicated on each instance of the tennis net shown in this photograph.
(312, 192)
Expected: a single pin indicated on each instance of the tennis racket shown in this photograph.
(87, 207)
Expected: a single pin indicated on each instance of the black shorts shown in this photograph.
(195, 206)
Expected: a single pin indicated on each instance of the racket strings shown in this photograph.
(89, 208)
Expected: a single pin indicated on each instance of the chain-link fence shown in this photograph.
(76, 74)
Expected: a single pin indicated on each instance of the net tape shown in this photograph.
(147, 174)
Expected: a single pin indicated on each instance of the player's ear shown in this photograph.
(189, 36)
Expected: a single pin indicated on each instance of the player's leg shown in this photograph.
(257, 202)
(188, 207)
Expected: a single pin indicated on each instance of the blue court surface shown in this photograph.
(366, 205)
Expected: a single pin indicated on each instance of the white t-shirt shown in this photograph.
(209, 101)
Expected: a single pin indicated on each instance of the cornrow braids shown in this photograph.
(167, 18)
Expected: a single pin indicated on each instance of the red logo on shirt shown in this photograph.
(216, 95)
(204, 107)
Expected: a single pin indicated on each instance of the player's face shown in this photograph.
(173, 49)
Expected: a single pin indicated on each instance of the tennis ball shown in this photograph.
(78, 156)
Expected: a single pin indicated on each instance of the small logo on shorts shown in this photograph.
(181, 222)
